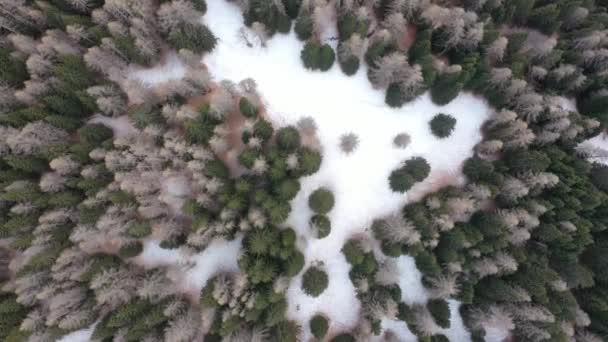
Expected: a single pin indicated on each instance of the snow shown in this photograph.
(220, 256)
(597, 147)
(170, 70)
(121, 126)
(82, 335)
(410, 282)
(190, 272)
(339, 104)
(457, 330)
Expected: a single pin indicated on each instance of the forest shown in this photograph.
(115, 193)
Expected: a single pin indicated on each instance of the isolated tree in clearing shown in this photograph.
(321, 201)
(314, 281)
(442, 125)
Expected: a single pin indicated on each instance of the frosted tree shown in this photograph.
(36, 137)
(424, 322)
(114, 287)
(109, 99)
(307, 126)
(173, 14)
(388, 69)
(349, 142)
(105, 62)
(496, 50)
(396, 24)
(489, 147)
(443, 286)
(402, 140)
(494, 317)
(23, 43)
(184, 327)
(395, 228)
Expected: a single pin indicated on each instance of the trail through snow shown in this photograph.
(341, 104)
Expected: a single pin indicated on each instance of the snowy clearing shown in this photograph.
(340, 104)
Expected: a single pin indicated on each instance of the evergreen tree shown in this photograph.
(321, 201)
(442, 125)
(314, 281)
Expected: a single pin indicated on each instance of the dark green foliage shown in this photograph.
(310, 161)
(401, 181)
(247, 108)
(303, 27)
(545, 18)
(322, 225)
(12, 70)
(442, 125)
(288, 138)
(321, 201)
(144, 114)
(446, 87)
(439, 338)
(343, 337)
(353, 252)
(427, 264)
(599, 177)
(311, 55)
(349, 64)
(314, 281)
(440, 311)
(414, 170)
(128, 313)
(295, 264)
(200, 130)
(95, 134)
(595, 105)
(288, 189)
(521, 161)
(195, 37)
(139, 229)
(263, 129)
(318, 326)
(421, 48)
(326, 57)
(131, 250)
(28, 164)
(394, 96)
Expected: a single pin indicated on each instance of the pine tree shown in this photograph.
(314, 281)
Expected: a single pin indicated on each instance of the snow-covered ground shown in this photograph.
(340, 104)
(596, 148)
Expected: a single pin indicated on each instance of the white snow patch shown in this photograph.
(342, 104)
(121, 126)
(82, 335)
(172, 69)
(597, 148)
(154, 256)
(410, 281)
(496, 334)
(457, 330)
(189, 271)
(219, 256)
(399, 329)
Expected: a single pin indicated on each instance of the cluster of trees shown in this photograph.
(413, 171)
(523, 245)
(77, 202)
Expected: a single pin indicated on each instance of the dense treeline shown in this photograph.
(523, 245)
